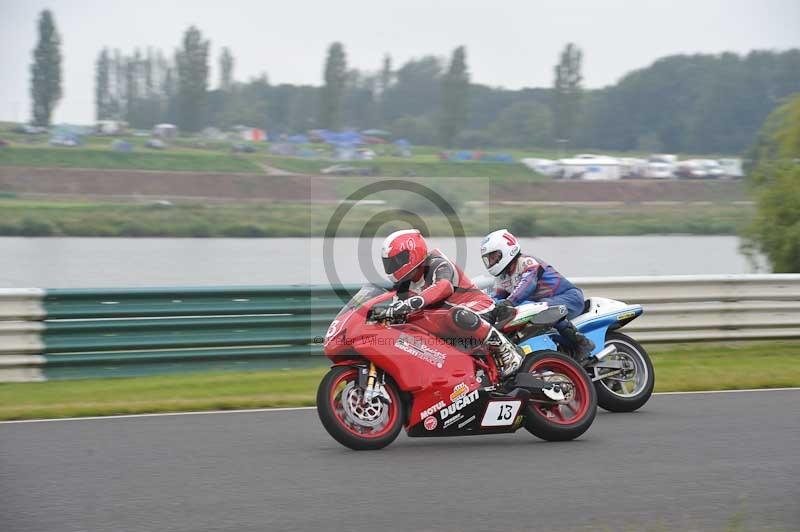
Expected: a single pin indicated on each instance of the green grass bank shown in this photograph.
(50, 217)
(678, 368)
(106, 159)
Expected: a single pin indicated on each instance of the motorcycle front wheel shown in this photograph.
(560, 420)
(631, 389)
(355, 423)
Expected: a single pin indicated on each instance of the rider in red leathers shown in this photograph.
(453, 305)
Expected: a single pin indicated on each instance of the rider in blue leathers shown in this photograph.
(523, 279)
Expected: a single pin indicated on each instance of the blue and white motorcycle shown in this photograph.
(619, 366)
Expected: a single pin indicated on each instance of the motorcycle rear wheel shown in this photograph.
(352, 422)
(554, 421)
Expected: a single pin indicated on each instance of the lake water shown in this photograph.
(104, 262)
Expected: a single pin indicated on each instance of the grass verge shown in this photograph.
(24, 217)
(106, 159)
(678, 368)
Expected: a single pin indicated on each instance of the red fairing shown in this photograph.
(421, 364)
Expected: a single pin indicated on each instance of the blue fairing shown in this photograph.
(597, 328)
(543, 342)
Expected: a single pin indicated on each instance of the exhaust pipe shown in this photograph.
(610, 350)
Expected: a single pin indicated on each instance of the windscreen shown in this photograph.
(367, 293)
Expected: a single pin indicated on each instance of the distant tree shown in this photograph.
(691, 103)
(567, 93)
(103, 99)
(300, 114)
(455, 92)
(192, 65)
(387, 74)
(417, 129)
(360, 105)
(170, 90)
(332, 96)
(118, 83)
(417, 89)
(385, 80)
(226, 63)
(523, 124)
(775, 182)
(132, 82)
(149, 67)
(46, 70)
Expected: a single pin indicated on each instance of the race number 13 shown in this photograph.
(500, 413)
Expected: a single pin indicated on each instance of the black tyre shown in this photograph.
(566, 420)
(350, 421)
(630, 390)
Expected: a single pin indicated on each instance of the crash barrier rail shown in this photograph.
(79, 333)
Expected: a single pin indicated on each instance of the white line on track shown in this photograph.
(296, 408)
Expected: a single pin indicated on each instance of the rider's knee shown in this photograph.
(464, 319)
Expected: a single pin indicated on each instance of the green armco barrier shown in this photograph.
(82, 333)
(102, 335)
(79, 333)
(205, 301)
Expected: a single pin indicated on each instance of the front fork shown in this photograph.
(371, 380)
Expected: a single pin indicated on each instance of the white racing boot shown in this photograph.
(507, 352)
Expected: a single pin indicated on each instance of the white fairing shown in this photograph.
(600, 306)
(527, 310)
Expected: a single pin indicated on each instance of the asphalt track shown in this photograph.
(691, 462)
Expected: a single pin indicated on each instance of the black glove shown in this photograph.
(403, 307)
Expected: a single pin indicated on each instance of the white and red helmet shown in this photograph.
(402, 252)
(498, 249)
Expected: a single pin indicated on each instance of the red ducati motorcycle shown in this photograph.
(389, 374)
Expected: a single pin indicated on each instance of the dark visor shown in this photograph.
(392, 264)
(492, 258)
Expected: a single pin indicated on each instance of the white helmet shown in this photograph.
(498, 249)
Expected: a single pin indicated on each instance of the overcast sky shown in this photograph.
(512, 44)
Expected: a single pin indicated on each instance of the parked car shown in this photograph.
(712, 168)
(155, 144)
(546, 167)
(659, 170)
(691, 169)
(65, 141)
(243, 148)
(591, 167)
(632, 168)
(342, 169)
(29, 130)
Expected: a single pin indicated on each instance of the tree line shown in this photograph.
(774, 179)
(698, 103)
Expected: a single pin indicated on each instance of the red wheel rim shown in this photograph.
(575, 409)
(338, 388)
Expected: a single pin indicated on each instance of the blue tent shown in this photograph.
(344, 137)
(298, 139)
